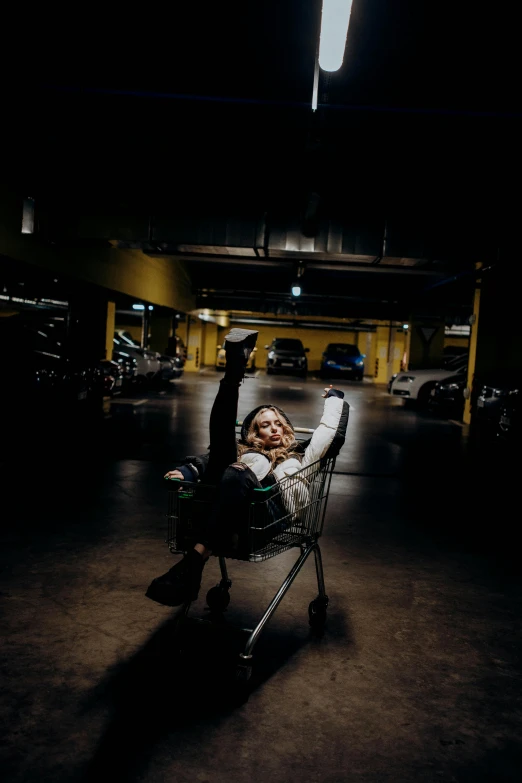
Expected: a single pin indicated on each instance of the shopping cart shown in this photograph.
(287, 515)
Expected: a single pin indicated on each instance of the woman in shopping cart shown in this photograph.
(266, 453)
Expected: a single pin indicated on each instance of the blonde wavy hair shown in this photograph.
(275, 455)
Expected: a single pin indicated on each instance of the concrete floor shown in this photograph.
(417, 678)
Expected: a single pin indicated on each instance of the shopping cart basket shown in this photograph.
(286, 515)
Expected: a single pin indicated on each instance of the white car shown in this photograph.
(417, 384)
(149, 366)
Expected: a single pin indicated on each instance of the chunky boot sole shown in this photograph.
(237, 335)
(180, 584)
(239, 344)
(246, 336)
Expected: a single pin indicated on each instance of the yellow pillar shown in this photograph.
(194, 344)
(398, 349)
(211, 343)
(366, 345)
(472, 348)
(380, 369)
(109, 329)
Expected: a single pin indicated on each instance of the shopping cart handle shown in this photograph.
(306, 430)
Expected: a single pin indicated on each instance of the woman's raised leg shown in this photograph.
(239, 344)
(182, 582)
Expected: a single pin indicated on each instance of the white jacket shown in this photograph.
(296, 494)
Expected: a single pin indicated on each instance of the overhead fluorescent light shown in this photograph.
(334, 29)
(28, 216)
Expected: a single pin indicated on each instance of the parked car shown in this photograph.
(496, 396)
(148, 362)
(171, 367)
(416, 385)
(286, 355)
(112, 378)
(180, 350)
(342, 360)
(221, 359)
(47, 378)
(129, 368)
(447, 396)
(509, 421)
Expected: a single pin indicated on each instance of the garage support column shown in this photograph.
(88, 323)
(472, 347)
(426, 343)
(382, 344)
(194, 346)
(211, 343)
(110, 325)
(161, 330)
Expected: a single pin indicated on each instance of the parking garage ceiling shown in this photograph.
(188, 132)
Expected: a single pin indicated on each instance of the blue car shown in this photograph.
(342, 359)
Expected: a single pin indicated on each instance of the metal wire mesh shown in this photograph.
(289, 514)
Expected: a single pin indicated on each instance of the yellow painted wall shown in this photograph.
(459, 342)
(315, 339)
(161, 281)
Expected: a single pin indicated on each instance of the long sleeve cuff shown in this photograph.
(189, 473)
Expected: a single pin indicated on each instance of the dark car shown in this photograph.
(112, 378)
(492, 395)
(48, 378)
(129, 369)
(447, 396)
(509, 420)
(286, 355)
(171, 367)
(342, 360)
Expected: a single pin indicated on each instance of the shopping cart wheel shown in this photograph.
(317, 614)
(218, 598)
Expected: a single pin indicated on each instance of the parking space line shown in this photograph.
(296, 388)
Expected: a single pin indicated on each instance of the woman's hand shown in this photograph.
(335, 392)
(174, 474)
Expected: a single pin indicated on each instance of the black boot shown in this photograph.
(181, 583)
(239, 344)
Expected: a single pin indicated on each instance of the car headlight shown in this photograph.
(271, 354)
(407, 378)
(359, 362)
(330, 361)
(451, 386)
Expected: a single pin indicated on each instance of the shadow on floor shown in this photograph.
(183, 677)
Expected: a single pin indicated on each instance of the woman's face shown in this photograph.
(270, 429)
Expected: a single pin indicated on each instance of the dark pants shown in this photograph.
(234, 483)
